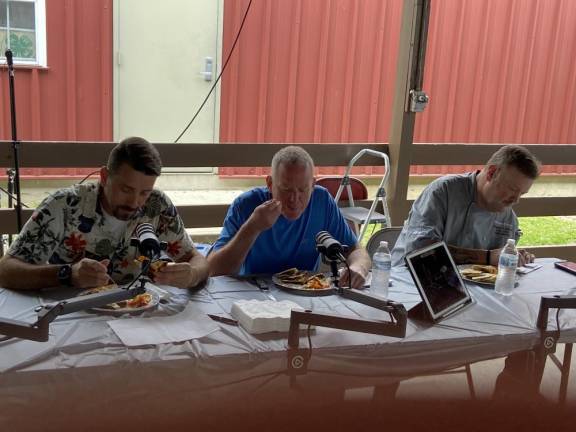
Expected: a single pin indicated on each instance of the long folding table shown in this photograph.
(84, 372)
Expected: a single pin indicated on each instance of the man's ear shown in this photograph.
(491, 172)
(269, 183)
(103, 175)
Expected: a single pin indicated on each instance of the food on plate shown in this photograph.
(307, 280)
(100, 289)
(154, 266)
(485, 268)
(139, 301)
(318, 281)
(481, 273)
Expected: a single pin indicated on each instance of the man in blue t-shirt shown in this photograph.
(273, 228)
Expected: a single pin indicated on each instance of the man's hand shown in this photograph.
(359, 274)
(265, 215)
(525, 257)
(181, 275)
(89, 273)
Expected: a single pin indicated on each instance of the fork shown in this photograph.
(263, 286)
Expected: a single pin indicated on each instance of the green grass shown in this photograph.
(550, 230)
(537, 231)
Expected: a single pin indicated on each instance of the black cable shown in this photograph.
(25, 205)
(88, 176)
(144, 270)
(557, 324)
(219, 75)
(309, 340)
(349, 274)
(12, 196)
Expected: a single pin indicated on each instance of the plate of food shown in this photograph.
(479, 274)
(303, 282)
(142, 302)
(483, 275)
(154, 265)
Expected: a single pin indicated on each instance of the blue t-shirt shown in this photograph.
(289, 243)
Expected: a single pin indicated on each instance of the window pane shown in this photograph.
(3, 13)
(3, 45)
(22, 15)
(23, 44)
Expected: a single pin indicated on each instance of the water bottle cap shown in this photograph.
(383, 243)
(511, 242)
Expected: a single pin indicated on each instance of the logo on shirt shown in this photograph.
(502, 229)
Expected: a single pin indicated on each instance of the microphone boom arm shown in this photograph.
(38, 331)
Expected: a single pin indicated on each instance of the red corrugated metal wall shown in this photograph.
(71, 99)
(497, 71)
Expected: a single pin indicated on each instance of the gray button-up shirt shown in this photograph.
(446, 211)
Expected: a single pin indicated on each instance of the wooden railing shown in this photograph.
(90, 154)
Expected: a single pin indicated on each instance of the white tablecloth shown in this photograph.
(85, 365)
(494, 325)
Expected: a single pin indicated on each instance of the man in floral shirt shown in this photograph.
(80, 236)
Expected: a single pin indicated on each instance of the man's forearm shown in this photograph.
(229, 259)
(19, 275)
(200, 264)
(474, 256)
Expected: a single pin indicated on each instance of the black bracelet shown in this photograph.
(488, 257)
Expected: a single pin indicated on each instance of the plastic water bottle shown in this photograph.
(507, 265)
(381, 265)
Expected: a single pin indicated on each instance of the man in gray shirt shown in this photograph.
(472, 212)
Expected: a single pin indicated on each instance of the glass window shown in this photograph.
(22, 29)
(3, 13)
(21, 15)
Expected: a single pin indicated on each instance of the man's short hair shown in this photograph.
(138, 153)
(291, 155)
(518, 157)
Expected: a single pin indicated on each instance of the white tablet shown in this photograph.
(438, 280)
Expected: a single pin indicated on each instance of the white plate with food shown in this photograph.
(142, 302)
(483, 275)
(303, 282)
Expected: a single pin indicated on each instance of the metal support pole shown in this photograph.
(15, 142)
(409, 76)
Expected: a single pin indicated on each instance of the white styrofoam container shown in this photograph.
(263, 316)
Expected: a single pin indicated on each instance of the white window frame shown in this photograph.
(40, 30)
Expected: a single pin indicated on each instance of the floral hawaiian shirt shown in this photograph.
(70, 225)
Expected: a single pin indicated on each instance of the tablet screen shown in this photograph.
(437, 279)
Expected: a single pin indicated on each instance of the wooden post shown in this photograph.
(409, 75)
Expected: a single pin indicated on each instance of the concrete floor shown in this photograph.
(455, 386)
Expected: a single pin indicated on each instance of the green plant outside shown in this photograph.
(536, 231)
(22, 44)
(549, 231)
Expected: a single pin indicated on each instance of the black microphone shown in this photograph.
(329, 246)
(148, 243)
(8, 55)
(9, 61)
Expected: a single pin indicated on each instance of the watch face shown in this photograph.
(65, 274)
